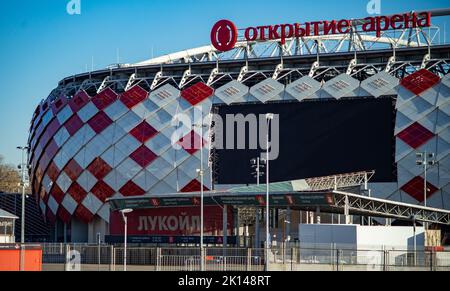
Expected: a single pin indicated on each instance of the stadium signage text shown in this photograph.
(224, 34)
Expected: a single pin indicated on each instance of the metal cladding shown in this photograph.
(86, 149)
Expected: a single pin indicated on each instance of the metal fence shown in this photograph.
(60, 257)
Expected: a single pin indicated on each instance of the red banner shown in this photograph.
(181, 221)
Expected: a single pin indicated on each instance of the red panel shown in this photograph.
(102, 191)
(416, 135)
(73, 170)
(57, 193)
(143, 156)
(79, 101)
(105, 98)
(415, 188)
(197, 93)
(100, 122)
(191, 142)
(420, 81)
(131, 189)
(134, 96)
(193, 186)
(99, 168)
(64, 215)
(44, 196)
(74, 124)
(53, 172)
(59, 104)
(83, 214)
(143, 132)
(177, 221)
(77, 192)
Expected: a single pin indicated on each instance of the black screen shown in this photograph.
(318, 138)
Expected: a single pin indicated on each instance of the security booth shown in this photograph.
(7, 229)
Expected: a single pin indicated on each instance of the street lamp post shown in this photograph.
(269, 118)
(22, 167)
(201, 173)
(258, 164)
(426, 160)
(125, 220)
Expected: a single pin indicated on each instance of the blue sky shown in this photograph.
(41, 43)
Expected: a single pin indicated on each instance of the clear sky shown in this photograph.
(40, 43)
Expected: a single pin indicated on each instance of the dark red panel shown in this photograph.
(193, 186)
(74, 124)
(420, 81)
(134, 96)
(99, 168)
(83, 214)
(197, 93)
(100, 122)
(53, 172)
(415, 188)
(104, 98)
(192, 142)
(77, 192)
(51, 218)
(102, 191)
(79, 101)
(131, 189)
(416, 135)
(64, 215)
(73, 170)
(143, 132)
(58, 104)
(143, 156)
(57, 193)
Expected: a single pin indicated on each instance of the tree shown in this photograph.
(9, 178)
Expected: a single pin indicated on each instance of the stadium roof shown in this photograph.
(7, 215)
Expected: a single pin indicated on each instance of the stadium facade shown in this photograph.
(109, 133)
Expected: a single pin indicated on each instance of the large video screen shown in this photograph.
(316, 139)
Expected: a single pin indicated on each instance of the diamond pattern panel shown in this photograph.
(415, 188)
(193, 186)
(83, 214)
(416, 135)
(191, 142)
(267, 90)
(102, 191)
(79, 101)
(74, 124)
(87, 112)
(116, 110)
(164, 95)
(197, 93)
(134, 96)
(380, 84)
(73, 170)
(100, 122)
(303, 88)
(77, 192)
(341, 86)
(143, 156)
(143, 132)
(104, 98)
(131, 189)
(420, 81)
(232, 92)
(99, 168)
(92, 203)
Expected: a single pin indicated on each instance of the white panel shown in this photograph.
(87, 112)
(443, 148)
(129, 121)
(432, 95)
(190, 166)
(403, 96)
(145, 180)
(64, 114)
(341, 86)
(163, 188)
(267, 90)
(113, 157)
(64, 182)
(115, 180)
(61, 159)
(380, 84)
(160, 120)
(416, 108)
(145, 109)
(175, 157)
(303, 88)
(47, 183)
(128, 169)
(178, 179)
(160, 168)
(105, 212)
(53, 205)
(404, 175)
(113, 134)
(159, 144)
(61, 136)
(232, 92)
(92, 203)
(164, 95)
(402, 150)
(128, 145)
(402, 122)
(116, 110)
(69, 204)
(87, 181)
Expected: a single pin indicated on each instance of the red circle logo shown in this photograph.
(224, 35)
